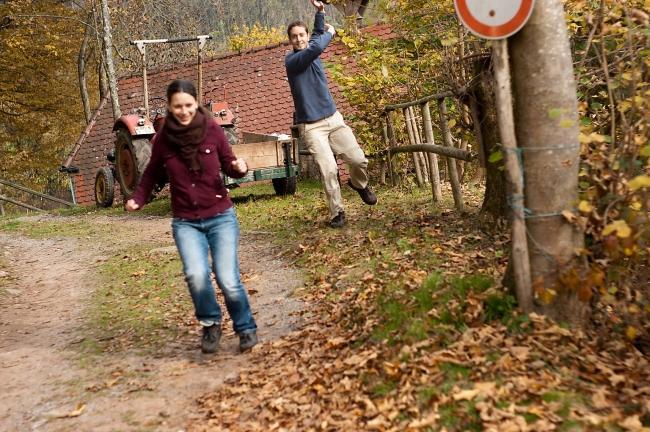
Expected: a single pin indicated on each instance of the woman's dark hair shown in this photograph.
(296, 24)
(180, 86)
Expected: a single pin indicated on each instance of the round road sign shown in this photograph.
(494, 19)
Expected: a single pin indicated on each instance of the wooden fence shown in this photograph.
(421, 141)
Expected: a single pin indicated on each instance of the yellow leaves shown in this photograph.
(255, 36)
(567, 123)
(349, 41)
(585, 207)
(620, 227)
(592, 137)
(638, 182)
(631, 332)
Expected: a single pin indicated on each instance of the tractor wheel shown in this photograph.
(231, 135)
(131, 158)
(284, 185)
(104, 187)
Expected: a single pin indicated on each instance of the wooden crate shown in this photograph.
(263, 154)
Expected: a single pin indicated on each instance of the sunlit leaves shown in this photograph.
(638, 182)
(40, 112)
(255, 36)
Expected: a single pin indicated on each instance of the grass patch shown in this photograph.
(460, 417)
(430, 310)
(454, 375)
(40, 229)
(287, 217)
(383, 388)
(141, 301)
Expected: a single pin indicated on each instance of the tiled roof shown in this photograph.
(255, 86)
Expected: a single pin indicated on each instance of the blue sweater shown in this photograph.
(311, 96)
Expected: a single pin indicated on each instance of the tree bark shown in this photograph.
(485, 116)
(547, 131)
(108, 58)
(81, 71)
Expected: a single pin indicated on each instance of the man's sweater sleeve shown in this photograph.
(299, 61)
(319, 23)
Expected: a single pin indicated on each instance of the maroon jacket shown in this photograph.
(195, 195)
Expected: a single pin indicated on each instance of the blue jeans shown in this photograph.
(218, 235)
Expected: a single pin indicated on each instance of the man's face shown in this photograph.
(298, 37)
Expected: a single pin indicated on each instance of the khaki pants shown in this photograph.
(329, 137)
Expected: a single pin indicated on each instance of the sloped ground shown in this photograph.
(412, 330)
(50, 383)
(408, 328)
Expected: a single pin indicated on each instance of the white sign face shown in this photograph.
(493, 13)
(493, 19)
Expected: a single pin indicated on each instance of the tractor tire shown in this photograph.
(284, 186)
(104, 187)
(131, 158)
(231, 135)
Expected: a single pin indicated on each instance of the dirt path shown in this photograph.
(44, 385)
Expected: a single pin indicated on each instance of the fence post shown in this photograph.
(384, 164)
(412, 139)
(418, 138)
(451, 163)
(434, 173)
(391, 139)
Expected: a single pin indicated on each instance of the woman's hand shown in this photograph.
(131, 205)
(240, 165)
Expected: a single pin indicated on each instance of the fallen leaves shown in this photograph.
(333, 374)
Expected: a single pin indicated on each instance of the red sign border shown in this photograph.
(494, 32)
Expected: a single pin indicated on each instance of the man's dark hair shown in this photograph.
(296, 24)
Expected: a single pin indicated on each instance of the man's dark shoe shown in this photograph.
(211, 338)
(338, 221)
(247, 341)
(366, 194)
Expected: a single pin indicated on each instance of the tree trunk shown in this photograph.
(108, 58)
(81, 71)
(547, 131)
(494, 201)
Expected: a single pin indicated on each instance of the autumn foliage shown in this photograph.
(609, 41)
(40, 113)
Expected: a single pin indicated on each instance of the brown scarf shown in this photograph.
(186, 139)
